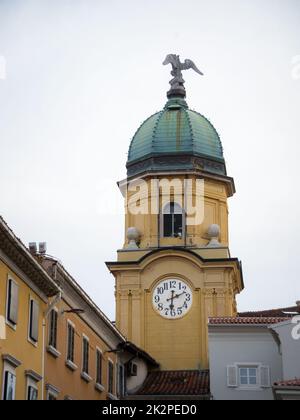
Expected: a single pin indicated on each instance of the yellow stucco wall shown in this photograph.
(215, 212)
(182, 343)
(70, 382)
(17, 343)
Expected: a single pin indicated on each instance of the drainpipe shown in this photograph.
(56, 299)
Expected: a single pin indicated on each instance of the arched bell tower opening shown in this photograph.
(172, 221)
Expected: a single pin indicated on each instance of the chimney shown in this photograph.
(298, 303)
(42, 248)
(32, 248)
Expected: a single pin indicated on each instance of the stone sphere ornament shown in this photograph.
(133, 236)
(213, 233)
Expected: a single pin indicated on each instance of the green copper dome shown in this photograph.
(176, 138)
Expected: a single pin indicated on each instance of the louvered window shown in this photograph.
(70, 348)
(85, 355)
(12, 302)
(34, 321)
(53, 329)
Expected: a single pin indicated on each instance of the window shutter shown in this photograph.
(53, 329)
(99, 367)
(13, 302)
(265, 377)
(71, 337)
(232, 380)
(34, 321)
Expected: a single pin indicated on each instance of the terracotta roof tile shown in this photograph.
(245, 321)
(281, 312)
(292, 382)
(179, 383)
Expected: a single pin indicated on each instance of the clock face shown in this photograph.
(172, 298)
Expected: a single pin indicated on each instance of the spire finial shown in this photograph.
(177, 83)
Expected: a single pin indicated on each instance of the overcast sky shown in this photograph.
(81, 76)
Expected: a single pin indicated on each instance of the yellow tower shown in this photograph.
(175, 269)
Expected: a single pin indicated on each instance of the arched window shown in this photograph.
(172, 221)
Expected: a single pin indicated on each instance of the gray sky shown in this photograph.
(81, 76)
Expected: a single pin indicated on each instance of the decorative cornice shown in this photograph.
(189, 162)
(76, 297)
(53, 389)
(33, 375)
(17, 252)
(11, 360)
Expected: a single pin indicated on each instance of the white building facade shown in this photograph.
(248, 355)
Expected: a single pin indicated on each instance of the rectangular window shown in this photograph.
(248, 376)
(51, 397)
(9, 389)
(32, 393)
(33, 320)
(168, 225)
(99, 367)
(121, 381)
(110, 377)
(71, 337)
(53, 329)
(12, 302)
(85, 355)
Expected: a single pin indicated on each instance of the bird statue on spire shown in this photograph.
(177, 83)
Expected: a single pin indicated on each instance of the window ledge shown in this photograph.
(86, 377)
(71, 365)
(11, 324)
(32, 342)
(99, 387)
(52, 350)
(112, 397)
(254, 389)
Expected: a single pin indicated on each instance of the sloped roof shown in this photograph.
(246, 321)
(176, 383)
(280, 312)
(290, 383)
(18, 253)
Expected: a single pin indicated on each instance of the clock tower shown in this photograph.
(175, 269)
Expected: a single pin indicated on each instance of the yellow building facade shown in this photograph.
(24, 289)
(175, 269)
(75, 324)
(55, 343)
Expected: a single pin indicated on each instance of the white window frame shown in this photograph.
(258, 366)
(2, 328)
(99, 384)
(33, 384)
(52, 394)
(70, 363)
(31, 341)
(85, 338)
(85, 375)
(111, 395)
(7, 367)
(162, 220)
(121, 386)
(8, 322)
(49, 332)
(248, 385)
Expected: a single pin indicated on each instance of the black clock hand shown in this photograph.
(180, 294)
(171, 299)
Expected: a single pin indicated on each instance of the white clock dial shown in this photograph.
(172, 298)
